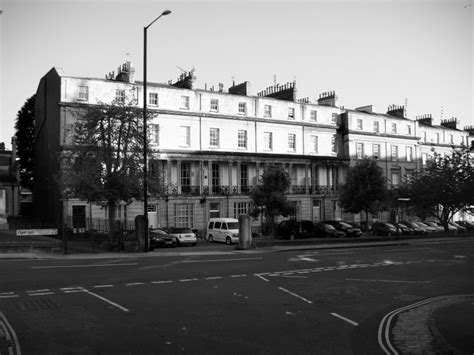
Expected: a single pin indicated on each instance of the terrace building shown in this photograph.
(211, 147)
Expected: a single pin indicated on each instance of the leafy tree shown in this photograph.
(25, 138)
(365, 188)
(269, 198)
(106, 161)
(444, 187)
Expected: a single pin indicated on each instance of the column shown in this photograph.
(168, 173)
(237, 173)
(201, 177)
(178, 176)
(306, 182)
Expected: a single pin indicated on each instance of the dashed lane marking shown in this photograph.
(219, 260)
(82, 266)
(103, 286)
(295, 295)
(345, 319)
(162, 282)
(233, 276)
(135, 284)
(41, 294)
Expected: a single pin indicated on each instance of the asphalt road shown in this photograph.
(294, 302)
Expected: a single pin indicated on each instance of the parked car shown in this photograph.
(224, 230)
(383, 228)
(466, 224)
(296, 229)
(407, 230)
(426, 228)
(435, 225)
(183, 235)
(346, 228)
(416, 227)
(159, 238)
(460, 228)
(324, 230)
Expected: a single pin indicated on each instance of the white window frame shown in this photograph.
(154, 133)
(153, 99)
(83, 93)
(360, 125)
(409, 130)
(184, 102)
(313, 116)
(214, 137)
(394, 152)
(184, 136)
(377, 126)
(333, 144)
(291, 142)
(334, 118)
(394, 128)
(214, 105)
(267, 111)
(268, 141)
(243, 108)
(314, 144)
(242, 139)
(120, 95)
(409, 153)
(291, 113)
(359, 150)
(376, 150)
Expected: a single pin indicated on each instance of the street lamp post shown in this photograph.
(145, 138)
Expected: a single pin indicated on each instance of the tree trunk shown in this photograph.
(111, 221)
(271, 224)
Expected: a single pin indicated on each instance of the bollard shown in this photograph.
(245, 232)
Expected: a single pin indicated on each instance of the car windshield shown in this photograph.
(422, 224)
(233, 225)
(402, 225)
(328, 227)
(159, 232)
(344, 224)
(390, 225)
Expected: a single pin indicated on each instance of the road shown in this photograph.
(328, 301)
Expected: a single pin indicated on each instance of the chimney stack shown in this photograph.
(125, 73)
(366, 108)
(240, 89)
(185, 80)
(327, 99)
(396, 111)
(426, 119)
(450, 123)
(285, 92)
(469, 129)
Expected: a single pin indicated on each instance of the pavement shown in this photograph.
(438, 326)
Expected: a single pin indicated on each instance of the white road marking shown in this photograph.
(162, 282)
(103, 286)
(82, 266)
(71, 288)
(9, 296)
(295, 295)
(263, 278)
(6, 293)
(213, 278)
(345, 319)
(135, 284)
(106, 300)
(242, 275)
(10, 333)
(186, 280)
(35, 291)
(293, 276)
(394, 281)
(219, 260)
(73, 291)
(41, 294)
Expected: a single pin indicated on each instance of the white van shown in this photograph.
(223, 230)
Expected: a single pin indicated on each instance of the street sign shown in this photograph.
(25, 232)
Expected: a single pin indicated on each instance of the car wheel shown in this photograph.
(292, 236)
(194, 244)
(228, 241)
(211, 238)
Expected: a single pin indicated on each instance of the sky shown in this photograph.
(375, 52)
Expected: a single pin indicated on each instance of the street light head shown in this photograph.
(166, 12)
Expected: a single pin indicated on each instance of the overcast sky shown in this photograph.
(369, 52)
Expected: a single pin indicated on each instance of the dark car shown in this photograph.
(383, 228)
(435, 225)
(466, 224)
(296, 229)
(428, 229)
(416, 227)
(407, 230)
(349, 230)
(460, 228)
(324, 230)
(159, 238)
